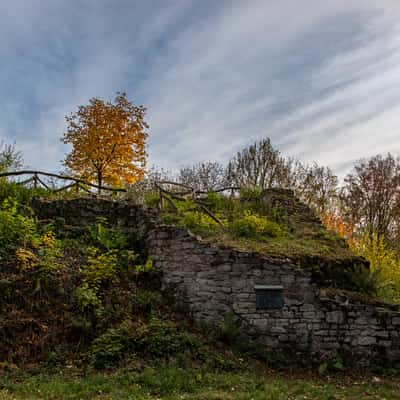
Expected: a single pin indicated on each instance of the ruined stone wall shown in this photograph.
(75, 214)
(213, 281)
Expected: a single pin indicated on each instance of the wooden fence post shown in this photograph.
(35, 180)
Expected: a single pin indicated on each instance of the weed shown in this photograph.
(107, 238)
(229, 331)
(163, 338)
(26, 259)
(15, 229)
(251, 193)
(254, 227)
(87, 297)
(101, 268)
(198, 222)
(50, 255)
(152, 200)
(19, 194)
(334, 364)
(157, 338)
(145, 301)
(109, 348)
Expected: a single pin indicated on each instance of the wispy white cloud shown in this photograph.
(321, 78)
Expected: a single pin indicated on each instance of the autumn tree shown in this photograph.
(108, 141)
(334, 221)
(371, 196)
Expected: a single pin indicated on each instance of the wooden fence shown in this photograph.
(168, 191)
(37, 179)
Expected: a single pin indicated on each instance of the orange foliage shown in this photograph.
(337, 224)
(108, 141)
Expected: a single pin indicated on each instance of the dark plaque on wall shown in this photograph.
(269, 297)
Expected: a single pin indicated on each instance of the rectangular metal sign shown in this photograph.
(269, 298)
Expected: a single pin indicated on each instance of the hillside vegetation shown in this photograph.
(91, 298)
(272, 222)
(76, 303)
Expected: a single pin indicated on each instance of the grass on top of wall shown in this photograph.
(247, 224)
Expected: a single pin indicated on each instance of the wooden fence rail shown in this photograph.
(37, 181)
(168, 191)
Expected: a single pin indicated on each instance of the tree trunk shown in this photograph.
(99, 181)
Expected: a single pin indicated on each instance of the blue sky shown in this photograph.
(321, 78)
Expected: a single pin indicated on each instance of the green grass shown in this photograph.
(280, 229)
(296, 248)
(176, 383)
(249, 225)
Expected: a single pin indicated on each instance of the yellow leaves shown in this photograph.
(49, 240)
(108, 141)
(384, 264)
(26, 259)
(337, 224)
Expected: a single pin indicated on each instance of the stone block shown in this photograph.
(366, 341)
(224, 268)
(262, 324)
(382, 334)
(335, 317)
(307, 307)
(278, 329)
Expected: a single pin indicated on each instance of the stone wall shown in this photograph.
(213, 281)
(75, 214)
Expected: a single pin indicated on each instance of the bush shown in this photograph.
(228, 330)
(50, 258)
(334, 364)
(44, 256)
(361, 280)
(199, 222)
(226, 206)
(254, 227)
(19, 193)
(163, 338)
(144, 268)
(152, 199)
(145, 301)
(217, 201)
(157, 338)
(108, 238)
(26, 259)
(87, 297)
(110, 347)
(101, 268)
(384, 274)
(250, 193)
(15, 229)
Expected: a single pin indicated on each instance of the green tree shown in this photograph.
(10, 157)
